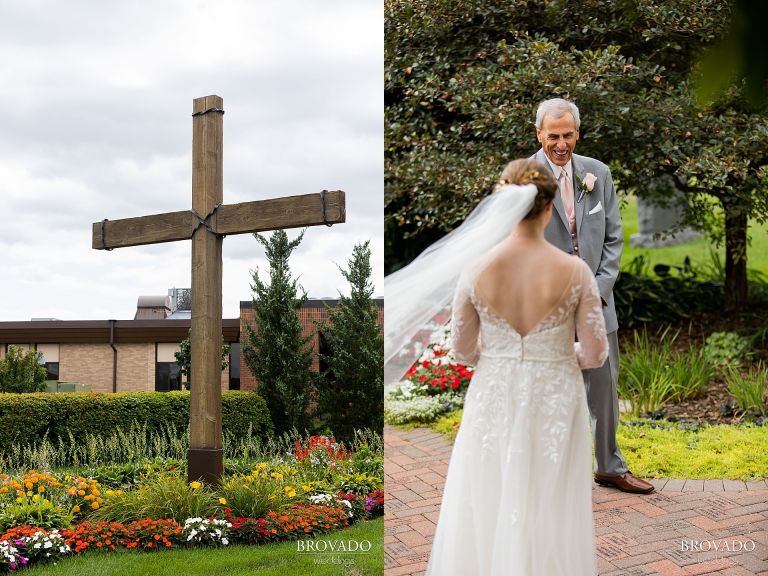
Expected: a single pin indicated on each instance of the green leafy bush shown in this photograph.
(653, 374)
(28, 418)
(361, 483)
(366, 461)
(749, 391)
(22, 371)
(691, 373)
(727, 349)
(166, 496)
(41, 513)
(253, 496)
(677, 292)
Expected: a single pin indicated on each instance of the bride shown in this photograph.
(517, 497)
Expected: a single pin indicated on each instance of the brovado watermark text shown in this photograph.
(333, 546)
(717, 546)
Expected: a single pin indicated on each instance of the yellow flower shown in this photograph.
(75, 509)
(81, 492)
(276, 475)
(195, 484)
(95, 505)
(222, 501)
(36, 498)
(41, 489)
(29, 493)
(306, 487)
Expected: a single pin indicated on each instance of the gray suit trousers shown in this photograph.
(603, 403)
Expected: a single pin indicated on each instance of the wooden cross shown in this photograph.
(206, 224)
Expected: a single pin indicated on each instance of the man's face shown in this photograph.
(558, 137)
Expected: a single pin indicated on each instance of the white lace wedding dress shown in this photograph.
(518, 494)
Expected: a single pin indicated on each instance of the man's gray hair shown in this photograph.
(557, 108)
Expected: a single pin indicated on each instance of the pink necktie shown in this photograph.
(566, 193)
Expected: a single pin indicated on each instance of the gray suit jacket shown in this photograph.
(598, 226)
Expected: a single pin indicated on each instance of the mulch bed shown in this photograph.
(715, 406)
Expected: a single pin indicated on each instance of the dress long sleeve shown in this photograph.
(592, 347)
(465, 327)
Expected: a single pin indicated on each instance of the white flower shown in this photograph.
(224, 541)
(589, 181)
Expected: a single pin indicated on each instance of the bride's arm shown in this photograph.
(592, 347)
(465, 327)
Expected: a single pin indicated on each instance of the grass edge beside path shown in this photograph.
(279, 559)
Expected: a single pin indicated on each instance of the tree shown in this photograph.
(462, 81)
(22, 371)
(274, 348)
(184, 359)
(352, 391)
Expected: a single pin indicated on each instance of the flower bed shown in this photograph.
(317, 486)
(435, 385)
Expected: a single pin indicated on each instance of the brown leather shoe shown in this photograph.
(625, 482)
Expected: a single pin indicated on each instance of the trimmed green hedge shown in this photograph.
(26, 418)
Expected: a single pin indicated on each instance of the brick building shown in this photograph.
(314, 310)
(110, 355)
(138, 355)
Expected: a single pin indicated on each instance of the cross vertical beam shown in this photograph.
(205, 460)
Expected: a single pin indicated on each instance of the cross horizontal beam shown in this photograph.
(243, 218)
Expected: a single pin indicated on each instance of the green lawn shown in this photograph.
(698, 250)
(268, 560)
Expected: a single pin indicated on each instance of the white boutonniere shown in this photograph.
(587, 184)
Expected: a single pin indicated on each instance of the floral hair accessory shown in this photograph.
(525, 178)
(530, 176)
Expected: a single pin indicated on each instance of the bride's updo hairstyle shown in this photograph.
(525, 171)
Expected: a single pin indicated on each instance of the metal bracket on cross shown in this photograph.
(207, 221)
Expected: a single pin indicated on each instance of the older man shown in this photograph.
(587, 224)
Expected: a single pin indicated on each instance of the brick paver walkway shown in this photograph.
(636, 535)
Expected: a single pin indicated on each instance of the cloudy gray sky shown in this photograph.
(96, 123)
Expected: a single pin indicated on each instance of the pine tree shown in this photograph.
(352, 392)
(275, 351)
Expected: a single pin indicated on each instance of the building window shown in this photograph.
(168, 377)
(50, 360)
(52, 370)
(167, 373)
(234, 367)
